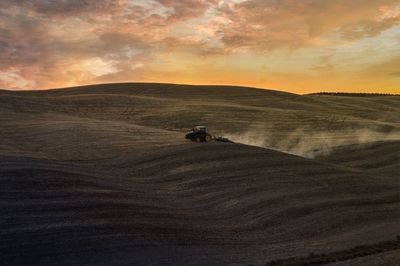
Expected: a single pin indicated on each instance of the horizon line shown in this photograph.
(198, 85)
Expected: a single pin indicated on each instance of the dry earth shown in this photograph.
(102, 175)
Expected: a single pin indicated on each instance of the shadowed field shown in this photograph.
(102, 175)
(381, 157)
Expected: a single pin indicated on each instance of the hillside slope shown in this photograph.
(374, 157)
(252, 204)
(102, 175)
(303, 125)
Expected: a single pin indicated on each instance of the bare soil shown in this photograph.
(102, 175)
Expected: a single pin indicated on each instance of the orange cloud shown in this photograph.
(292, 45)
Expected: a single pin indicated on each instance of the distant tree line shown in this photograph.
(353, 94)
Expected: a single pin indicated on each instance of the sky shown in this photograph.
(300, 46)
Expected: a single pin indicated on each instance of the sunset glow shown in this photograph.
(299, 46)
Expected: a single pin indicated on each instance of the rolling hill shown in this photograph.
(102, 175)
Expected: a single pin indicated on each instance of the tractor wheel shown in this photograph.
(198, 139)
(208, 138)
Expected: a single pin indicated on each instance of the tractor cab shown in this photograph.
(199, 129)
(199, 134)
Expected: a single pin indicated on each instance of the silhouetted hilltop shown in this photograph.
(354, 94)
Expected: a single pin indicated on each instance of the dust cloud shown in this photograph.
(307, 142)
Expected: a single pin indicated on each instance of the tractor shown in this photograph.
(199, 134)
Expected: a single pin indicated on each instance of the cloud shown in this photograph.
(47, 43)
(65, 7)
(385, 69)
(269, 24)
(13, 79)
(368, 28)
(187, 9)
